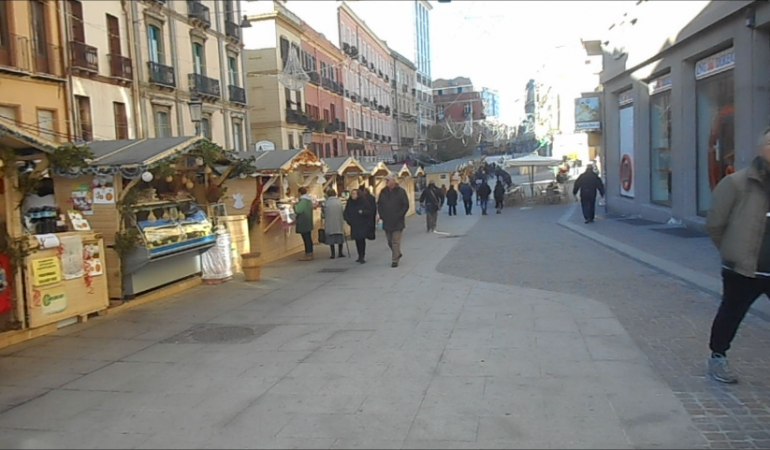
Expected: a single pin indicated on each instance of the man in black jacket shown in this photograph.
(482, 195)
(392, 206)
(588, 183)
(432, 199)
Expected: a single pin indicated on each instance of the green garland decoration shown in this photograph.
(16, 249)
(210, 152)
(70, 156)
(165, 168)
(126, 242)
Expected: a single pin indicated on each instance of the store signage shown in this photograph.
(626, 97)
(46, 271)
(588, 114)
(660, 84)
(715, 64)
(50, 300)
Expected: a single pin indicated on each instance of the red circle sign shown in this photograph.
(626, 172)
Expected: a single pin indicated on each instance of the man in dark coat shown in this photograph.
(451, 200)
(432, 200)
(482, 195)
(358, 214)
(467, 192)
(588, 183)
(372, 202)
(499, 196)
(393, 205)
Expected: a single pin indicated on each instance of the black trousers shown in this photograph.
(588, 202)
(361, 248)
(452, 210)
(498, 204)
(468, 206)
(738, 294)
(307, 238)
(339, 249)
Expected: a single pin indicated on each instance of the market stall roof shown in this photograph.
(417, 171)
(400, 169)
(17, 137)
(532, 161)
(449, 166)
(139, 152)
(343, 164)
(376, 168)
(282, 160)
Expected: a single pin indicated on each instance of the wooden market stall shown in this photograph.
(143, 203)
(51, 263)
(273, 187)
(406, 181)
(343, 174)
(374, 176)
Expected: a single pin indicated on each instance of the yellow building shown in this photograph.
(33, 88)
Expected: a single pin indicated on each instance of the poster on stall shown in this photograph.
(93, 260)
(72, 257)
(82, 200)
(104, 190)
(46, 271)
(51, 300)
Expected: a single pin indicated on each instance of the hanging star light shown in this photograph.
(293, 75)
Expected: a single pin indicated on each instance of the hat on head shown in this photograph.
(431, 182)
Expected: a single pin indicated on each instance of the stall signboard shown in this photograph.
(82, 200)
(104, 190)
(52, 300)
(715, 64)
(660, 84)
(588, 114)
(46, 271)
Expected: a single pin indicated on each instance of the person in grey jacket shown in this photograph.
(334, 223)
(739, 227)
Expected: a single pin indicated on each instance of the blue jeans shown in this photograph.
(484, 204)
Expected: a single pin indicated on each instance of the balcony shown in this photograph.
(346, 48)
(407, 141)
(24, 56)
(232, 30)
(198, 12)
(204, 86)
(359, 134)
(315, 78)
(237, 94)
(353, 97)
(120, 67)
(162, 75)
(393, 84)
(369, 135)
(326, 83)
(84, 57)
(350, 132)
(376, 137)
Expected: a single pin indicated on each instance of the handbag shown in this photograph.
(321, 236)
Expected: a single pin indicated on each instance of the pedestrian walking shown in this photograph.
(482, 195)
(304, 222)
(393, 205)
(334, 223)
(499, 196)
(588, 183)
(467, 192)
(451, 200)
(358, 214)
(431, 201)
(739, 227)
(443, 190)
(366, 194)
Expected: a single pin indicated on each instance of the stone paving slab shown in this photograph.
(371, 358)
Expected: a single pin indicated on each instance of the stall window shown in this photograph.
(715, 134)
(660, 147)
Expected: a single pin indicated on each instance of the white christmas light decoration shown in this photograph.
(147, 177)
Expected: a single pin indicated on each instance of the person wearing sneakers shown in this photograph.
(739, 227)
(393, 205)
(304, 225)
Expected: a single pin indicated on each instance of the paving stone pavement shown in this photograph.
(372, 357)
(668, 319)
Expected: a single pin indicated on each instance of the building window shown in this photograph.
(40, 35)
(46, 124)
(84, 124)
(199, 58)
(162, 122)
(232, 68)
(5, 34)
(715, 134)
(206, 127)
(291, 140)
(660, 146)
(238, 136)
(284, 51)
(77, 28)
(155, 38)
(121, 120)
(328, 148)
(8, 112)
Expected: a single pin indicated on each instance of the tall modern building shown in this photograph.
(491, 102)
(422, 37)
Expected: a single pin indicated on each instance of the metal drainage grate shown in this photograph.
(217, 334)
(686, 233)
(639, 222)
(333, 270)
(454, 236)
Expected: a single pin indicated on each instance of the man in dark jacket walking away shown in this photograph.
(739, 226)
(372, 202)
(467, 192)
(432, 200)
(451, 200)
(588, 183)
(499, 196)
(482, 195)
(393, 205)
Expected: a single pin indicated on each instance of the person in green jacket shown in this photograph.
(304, 224)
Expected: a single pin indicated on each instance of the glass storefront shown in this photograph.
(660, 148)
(715, 134)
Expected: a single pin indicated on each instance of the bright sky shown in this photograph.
(498, 44)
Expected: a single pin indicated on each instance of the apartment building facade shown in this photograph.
(186, 50)
(405, 106)
(456, 101)
(33, 84)
(368, 76)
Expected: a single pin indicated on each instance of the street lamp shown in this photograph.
(245, 23)
(196, 113)
(307, 137)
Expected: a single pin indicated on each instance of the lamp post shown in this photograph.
(196, 113)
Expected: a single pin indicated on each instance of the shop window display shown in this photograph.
(660, 145)
(715, 134)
